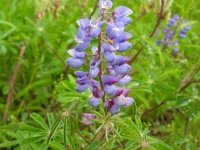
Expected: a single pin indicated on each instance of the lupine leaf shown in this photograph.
(31, 129)
(39, 120)
(139, 97)
(54, 129)
(32, 140)
(93, 146)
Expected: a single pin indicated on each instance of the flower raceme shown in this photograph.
(170, 31)
(111, 43)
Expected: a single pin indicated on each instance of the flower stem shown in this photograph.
(100, 66)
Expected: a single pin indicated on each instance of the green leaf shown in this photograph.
(131, 132)
(54, 129)
(65, 131)
(197, 76)
(154, 46)
(32, 140)
(43, 146)
(8, 144)
(93, 146)
(189, 23)
(39, 120)
(158, 95)
(57, 146)
(50, 117)
(158, 144)
(139, 97)
(193, 111)
(69, 141)
(31, 129)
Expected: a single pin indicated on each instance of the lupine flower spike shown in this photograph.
(170, 31)
(109, 48)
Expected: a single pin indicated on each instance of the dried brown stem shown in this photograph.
(83, 137)
(12, 82)
(188, 81)
(151, 109)
(159, 20)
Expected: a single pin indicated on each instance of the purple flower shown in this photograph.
(84, 82)
(76, 54)
(173, 21)
(113, 28)
(170, 32)
(75, 63)
(124, 80)
(184, 31)
(123, 46)
(94, 68)
(122, 11)
(125, 20)
(108, 52)
(112, 41)
(94, 101)
(120, 60)
(114, 109)
(159, 42)
(122, 69)
(98, 93)
(110, 80)
(87, 119)
(105, 4)
(89, 116)
(110, 89)
(82, 46)
(123, 101)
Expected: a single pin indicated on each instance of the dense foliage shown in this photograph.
(39, 106)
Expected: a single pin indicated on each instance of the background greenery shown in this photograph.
(44, 85)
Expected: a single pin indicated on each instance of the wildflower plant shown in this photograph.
(108, 69)
(90, 106)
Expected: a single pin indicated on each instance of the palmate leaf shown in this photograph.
(133, 146)
(67, 137)
(54, 128)
(157, 95)
(39, 120)
(8, 144)
(93, 146)
(138, 96)
(50, 117)
(158, 50)
(56, 145)
(43, 146)
(32, 140)
(159, 145)
(131, 132)
(197, 76)
(31, 129)
(33, 85)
